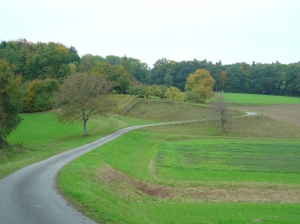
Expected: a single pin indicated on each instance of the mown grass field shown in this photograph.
(190, 172)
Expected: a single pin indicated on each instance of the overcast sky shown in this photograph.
(228, 30)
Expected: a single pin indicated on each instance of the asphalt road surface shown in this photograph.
(29, 195)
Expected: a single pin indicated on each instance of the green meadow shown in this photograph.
(243, 99)
(188, 172)
(147, 176)
(43, 136)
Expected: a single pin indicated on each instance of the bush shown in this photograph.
(192, 97)
(38, 95)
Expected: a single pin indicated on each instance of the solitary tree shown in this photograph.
(220, 111)
(82, 96)
(10, 91)
(202, 83)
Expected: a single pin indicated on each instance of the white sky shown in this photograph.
(228, 30)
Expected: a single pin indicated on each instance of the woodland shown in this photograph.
(42, 67)
(44, 61)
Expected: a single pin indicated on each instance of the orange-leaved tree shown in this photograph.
(202, 83)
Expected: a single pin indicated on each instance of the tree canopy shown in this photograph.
(9, 101)
(55, 60)
(39, 60)
(202, 83)
(82, 96)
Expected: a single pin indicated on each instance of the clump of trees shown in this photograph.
(257, 78)
(10, 93)
(37, 96)
(173, 93)
(39, 60)
(116, 74)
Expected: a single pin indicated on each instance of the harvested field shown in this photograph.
(286, 113)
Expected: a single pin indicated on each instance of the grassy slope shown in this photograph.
(43, 137)
(107, 199)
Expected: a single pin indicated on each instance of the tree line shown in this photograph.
(257, 78)
(30, 74)
(56, 61)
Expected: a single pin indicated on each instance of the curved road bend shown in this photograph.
(29, 195)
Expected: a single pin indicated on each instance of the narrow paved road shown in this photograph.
(29, 195)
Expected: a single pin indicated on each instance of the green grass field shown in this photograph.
(191, 173)
(145, 177)
(180, 173)
(43, 136)
(242, 99)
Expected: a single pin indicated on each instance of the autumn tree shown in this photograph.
(202, 83)
(172, 93)
(155, 91)
(38, 95)
(82, 96)
(10, 90)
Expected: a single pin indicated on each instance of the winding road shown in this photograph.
(29, 195)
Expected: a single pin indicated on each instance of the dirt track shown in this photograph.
(286, 113)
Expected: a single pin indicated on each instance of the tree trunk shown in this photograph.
(84, 128)
(223, 126)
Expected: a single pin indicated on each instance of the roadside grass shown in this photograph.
(42, 136)
(190, 172)
(242, 99)
(133, 180)
(102, 200)
(145, 177)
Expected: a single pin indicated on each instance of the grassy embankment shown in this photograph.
(191, 172)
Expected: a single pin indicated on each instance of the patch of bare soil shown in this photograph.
(126, 185)
(135, 189)
(286, 113)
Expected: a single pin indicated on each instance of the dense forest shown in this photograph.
(55, 61)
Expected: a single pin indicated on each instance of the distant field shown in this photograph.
(256, 99)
